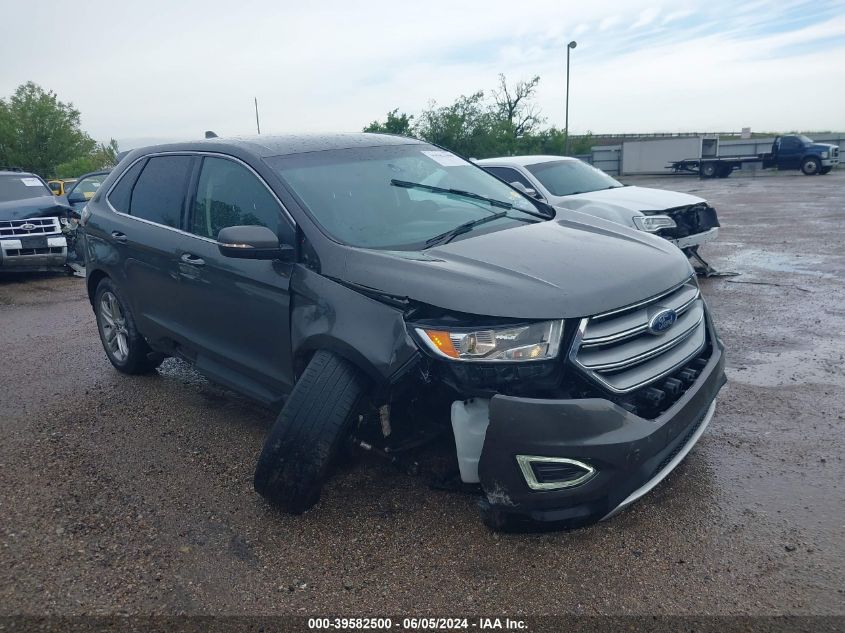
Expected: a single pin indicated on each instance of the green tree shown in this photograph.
(467, 126)
(396, 123)
(103, 156)
(38, 132)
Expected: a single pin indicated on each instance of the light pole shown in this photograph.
(569, 47)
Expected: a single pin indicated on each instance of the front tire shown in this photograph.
(305, 440)
(126, 349)
(810, 166)
(825, 170)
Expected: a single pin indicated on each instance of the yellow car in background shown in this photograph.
(60, 187)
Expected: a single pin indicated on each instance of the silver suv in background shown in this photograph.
(569, 183)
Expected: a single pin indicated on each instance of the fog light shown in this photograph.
(553, 473)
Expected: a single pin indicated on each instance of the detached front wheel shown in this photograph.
(305, 440)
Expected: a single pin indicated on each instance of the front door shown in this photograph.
(239, 308)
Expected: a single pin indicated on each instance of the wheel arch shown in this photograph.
(94, 279)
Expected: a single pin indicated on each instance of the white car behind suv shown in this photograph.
(569, 183)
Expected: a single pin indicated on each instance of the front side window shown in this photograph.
(159, 193)
(510, 175)
(397, 196)
(88, 186)
(228, 194)
(21, 188)
(569, 177)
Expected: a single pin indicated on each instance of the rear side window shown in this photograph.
(159, 193)
(228, 194)
(122, 192)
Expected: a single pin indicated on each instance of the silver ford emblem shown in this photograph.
(662, 320)
(28, 226)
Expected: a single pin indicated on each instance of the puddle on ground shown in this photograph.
(822, 364)
(778, 263)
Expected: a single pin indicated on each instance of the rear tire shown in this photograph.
(810, 166)
(307, 437)
(709, 170)
(125, 348)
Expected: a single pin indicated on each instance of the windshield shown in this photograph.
(21, 188)
(567, 177)
(88, 186)
(396, 196)
(805, 139)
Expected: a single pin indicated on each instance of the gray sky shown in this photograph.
(169, 70)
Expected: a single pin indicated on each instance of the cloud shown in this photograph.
(165, 69)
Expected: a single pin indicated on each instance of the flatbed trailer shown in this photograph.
(788, 152)
(717, 167)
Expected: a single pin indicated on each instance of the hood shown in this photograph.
(41, 207)
(823, 146)
(631, 198)
(562, 268)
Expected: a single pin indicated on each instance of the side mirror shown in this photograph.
(253, 242)
(76, 197)
(527, 190)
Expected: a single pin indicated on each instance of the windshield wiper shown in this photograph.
(451, 192)
(466, 227)
(469, 194)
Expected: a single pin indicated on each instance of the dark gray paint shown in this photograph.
(556, 269)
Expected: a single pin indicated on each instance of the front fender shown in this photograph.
(327, 315)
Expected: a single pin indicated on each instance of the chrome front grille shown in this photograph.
(619, 352)
(29, 226)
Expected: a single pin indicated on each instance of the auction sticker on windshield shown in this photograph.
(447, 159)
(31, 182)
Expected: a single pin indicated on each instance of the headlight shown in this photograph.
(652, 223)
(536, 341)
(825, 154)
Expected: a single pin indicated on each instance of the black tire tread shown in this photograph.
(305, 440)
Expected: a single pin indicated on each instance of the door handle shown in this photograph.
(119, 237)
(193, 260)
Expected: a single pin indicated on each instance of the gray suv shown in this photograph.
(380, 290)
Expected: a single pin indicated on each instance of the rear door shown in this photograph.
(239, 309)
(148, 232)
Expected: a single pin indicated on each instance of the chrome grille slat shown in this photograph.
(616, 350)
(43, 226)
(635, 322)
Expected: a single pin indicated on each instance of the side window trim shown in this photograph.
(191, 193)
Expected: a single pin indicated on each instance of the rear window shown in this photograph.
(22, 187)
(122, 191)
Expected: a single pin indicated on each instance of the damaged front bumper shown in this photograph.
(628, 454)
(696, 239)
(33, 253)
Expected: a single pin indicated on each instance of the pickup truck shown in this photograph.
(792, 151)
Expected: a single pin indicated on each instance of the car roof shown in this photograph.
(18, 174)
(277, 145)
(523, 160)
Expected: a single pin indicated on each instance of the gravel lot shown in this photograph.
(134, 495)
